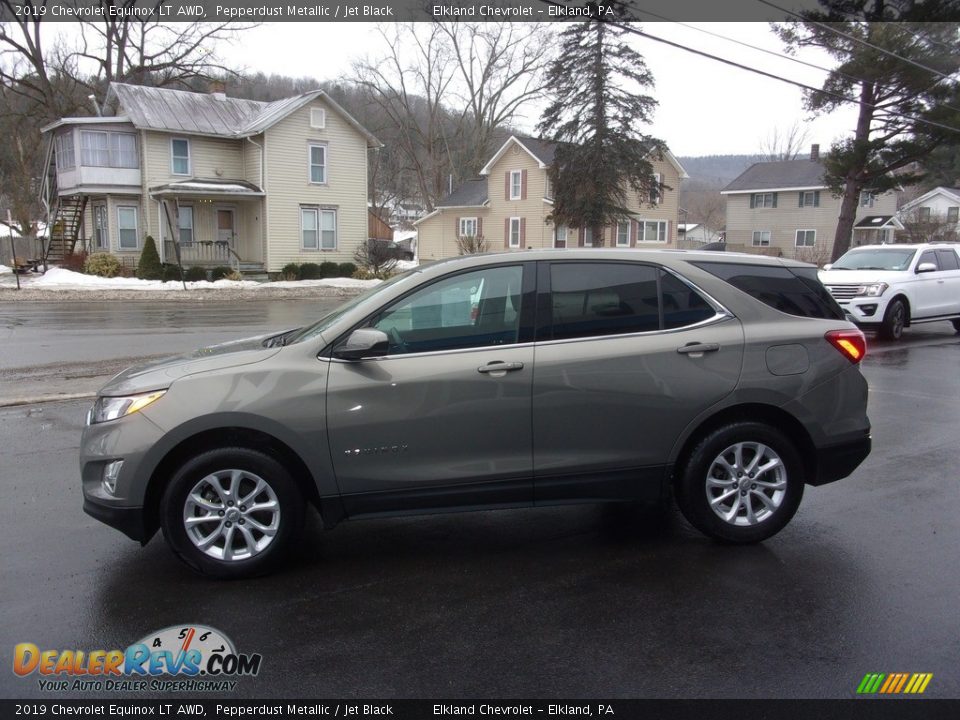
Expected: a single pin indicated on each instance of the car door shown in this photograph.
(443, 420)
(950, 272)
(929, 289)
(627, 355)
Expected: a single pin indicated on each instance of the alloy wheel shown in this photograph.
(746, 484)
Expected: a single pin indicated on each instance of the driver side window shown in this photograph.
(474, 309)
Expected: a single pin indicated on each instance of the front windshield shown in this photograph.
(312, 331)
(885, 259)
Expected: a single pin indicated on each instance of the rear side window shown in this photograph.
(682, 305)
(795, 291)
(948, 260)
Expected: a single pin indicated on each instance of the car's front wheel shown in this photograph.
(231, 512)
(742, 483)
(894, 320)
(956, 325)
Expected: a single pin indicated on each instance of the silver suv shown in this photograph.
(491, 381)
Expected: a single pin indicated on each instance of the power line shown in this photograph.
(856, 39)
(766, 51)
(764, 73)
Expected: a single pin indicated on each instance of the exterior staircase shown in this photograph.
(64, 230)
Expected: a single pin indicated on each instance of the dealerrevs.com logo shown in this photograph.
(186, 658)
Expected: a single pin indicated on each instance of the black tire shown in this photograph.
(894, 320)
(956, 325)
(284, 488)
(692, 484)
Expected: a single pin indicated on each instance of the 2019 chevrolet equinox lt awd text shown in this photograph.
(495, 380)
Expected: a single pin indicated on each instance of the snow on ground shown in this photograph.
(4, 270)
(60, 279)
(406, 265)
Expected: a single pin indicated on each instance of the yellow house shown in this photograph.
(235, 182)
(509, 204)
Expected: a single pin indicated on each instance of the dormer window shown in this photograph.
(180, 156)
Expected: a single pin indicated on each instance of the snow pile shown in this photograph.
(4, 270)
(405, 265)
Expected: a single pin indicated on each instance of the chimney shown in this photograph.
(218, 89)
(814, 153)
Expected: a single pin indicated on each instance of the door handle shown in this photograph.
(698, 349)
(500, 367)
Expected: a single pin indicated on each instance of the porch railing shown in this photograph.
(201, 252)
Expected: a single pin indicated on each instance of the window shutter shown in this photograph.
(753, 201)
(456, 229)
(816, 198)
(479, 227)
(523, 226)
(669, 231)
(800, 194)
(506, 185)
(580, 237)
(506, 226)
(775, 199)
(634, 233)
(523, 185)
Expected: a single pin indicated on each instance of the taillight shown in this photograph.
(851, 343)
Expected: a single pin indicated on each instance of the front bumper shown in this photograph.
(128, 520)
(866, 312)
(835, 462)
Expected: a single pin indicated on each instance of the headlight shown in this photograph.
(872, 289)
(111, 408)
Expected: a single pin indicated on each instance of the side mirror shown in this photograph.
(828, 266)
(926, 267)
(363, 343)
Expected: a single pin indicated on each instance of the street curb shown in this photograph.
(13, 402)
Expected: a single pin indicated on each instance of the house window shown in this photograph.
(514, 232)
(923, 214)
(127, 232)
(588, 237)
(94, 149)
(805, 238)
(763, 200)
(318, 118)
(318, 229)
(318, 163)
(107, 149)
(656, 191)
(516, 184)
(953, 214)
(867, 199)
(185, 221)
(761, 238)
(810, 198)
(180, 156)
(623, 233)
(560, 236)
(468, 227)
(66, 159)
(123, 150)
(101, 238)
(649, 231)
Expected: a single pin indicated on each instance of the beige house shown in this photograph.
(784, 208)
(247, 184)
(510, 203)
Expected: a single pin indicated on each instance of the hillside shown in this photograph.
(715, 171)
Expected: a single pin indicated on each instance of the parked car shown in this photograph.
(889, 287)
(491, 381)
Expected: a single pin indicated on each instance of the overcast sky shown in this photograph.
(705, 107)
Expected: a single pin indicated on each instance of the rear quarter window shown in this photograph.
(791, 290)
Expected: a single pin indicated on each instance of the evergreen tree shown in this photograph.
(897, 60)
(149, 267)
(596, 108)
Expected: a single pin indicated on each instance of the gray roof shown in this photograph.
(192, 113)
(543, 150)
(779, 175)
(472, 193)
(874, 221)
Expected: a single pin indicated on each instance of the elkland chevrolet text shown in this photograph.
(498, 380)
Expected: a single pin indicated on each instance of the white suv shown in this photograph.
(888, 287)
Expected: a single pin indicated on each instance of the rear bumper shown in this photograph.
(128, 520)
(835, 462)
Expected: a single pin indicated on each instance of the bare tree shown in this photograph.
(709, 208)
(472, 244)
(376, 257)
(785, 143)
(921, 227)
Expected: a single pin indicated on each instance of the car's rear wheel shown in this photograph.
(742, 483)
(232, 512)
(956, 325)
(894, 320)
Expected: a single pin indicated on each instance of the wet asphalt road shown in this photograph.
(554, 602)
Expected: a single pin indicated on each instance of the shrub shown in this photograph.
(170, 273)
(220, 272)
(310, 271)
(195, 273)
(149, 267)
(233, 275)
(361, 274)
(290, 271)
(329, 269)
(74, 261)
(103, 264)
(346, 269)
